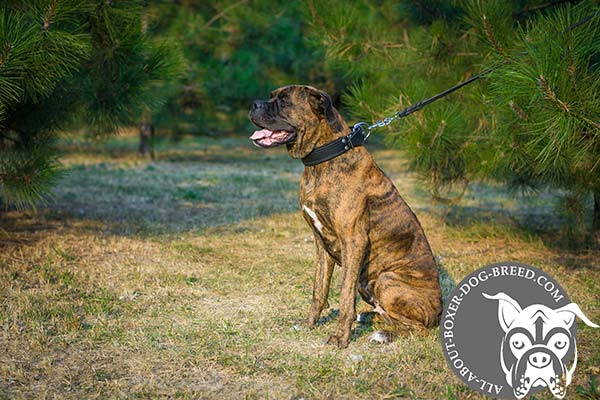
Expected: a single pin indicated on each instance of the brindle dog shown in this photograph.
(358, 218)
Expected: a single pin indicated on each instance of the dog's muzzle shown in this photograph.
(271, 134)
(267, 138)
(539, 366)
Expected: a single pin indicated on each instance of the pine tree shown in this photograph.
(531, 124)
(66, 63)
(546, 104)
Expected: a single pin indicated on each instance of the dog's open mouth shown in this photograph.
(267, 138)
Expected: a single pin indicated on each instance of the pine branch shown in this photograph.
(9, 138)
(222, 13)
(423, 7)
(518, 110)
(550, 95)
(27, 174)
(489, 33)
(319, 19)
(49, 16)
(438, 132)
(541, 7)
(4, 56)
(406, 40)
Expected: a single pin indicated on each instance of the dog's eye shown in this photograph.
(518, 342)
(559, 342)
(283, 100)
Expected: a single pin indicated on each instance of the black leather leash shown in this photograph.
(358, 136)
(360, 132)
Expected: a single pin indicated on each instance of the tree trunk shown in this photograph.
(146, 127)
(596, 221)
(146, 138)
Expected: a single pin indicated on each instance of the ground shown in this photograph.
(187, 277)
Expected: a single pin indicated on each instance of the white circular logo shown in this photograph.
(508, 331)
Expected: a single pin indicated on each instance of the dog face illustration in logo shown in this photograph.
(537, 345)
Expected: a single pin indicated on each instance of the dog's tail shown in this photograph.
(447, 284)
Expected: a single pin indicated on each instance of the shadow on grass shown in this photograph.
(18, 228)
(333, 314)
(231, 183)
(532, 222)
(184, 192)
(533, 216)
(365, 326)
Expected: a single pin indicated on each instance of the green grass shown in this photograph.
(187, 277)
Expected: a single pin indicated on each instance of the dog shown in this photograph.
(358, 218)
(537, 344)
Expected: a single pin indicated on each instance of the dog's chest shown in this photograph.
(319, 216)
(313, 218)
(313, 204)
(320, 207)
(320, 222)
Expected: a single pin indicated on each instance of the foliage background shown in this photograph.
(236, 52)
(192, 68)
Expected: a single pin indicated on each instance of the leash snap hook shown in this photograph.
(361, 128)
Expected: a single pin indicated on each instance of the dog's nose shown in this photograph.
(539, 359)
(257, 104)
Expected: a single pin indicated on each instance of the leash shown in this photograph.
(361, 131)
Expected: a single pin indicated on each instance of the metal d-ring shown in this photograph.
(363, 127)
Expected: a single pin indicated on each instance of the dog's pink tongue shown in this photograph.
(263, 133)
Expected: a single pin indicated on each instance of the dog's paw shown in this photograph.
(338, 340)
(361, 318)
(297, 327)
(380, 337)
(302, 325)
(311, 322)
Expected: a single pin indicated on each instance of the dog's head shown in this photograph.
(537, 345)
(299, 116)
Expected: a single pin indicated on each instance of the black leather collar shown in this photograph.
(356, 137)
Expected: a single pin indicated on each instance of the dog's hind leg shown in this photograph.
(403, 308)
(386, 329)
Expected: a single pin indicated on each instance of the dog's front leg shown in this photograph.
(354, 248)
(323, 271)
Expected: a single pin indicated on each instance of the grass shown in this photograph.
(186, 278)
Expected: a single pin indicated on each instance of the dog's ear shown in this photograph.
(508, 309)
(570, 311)
(321, 104)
